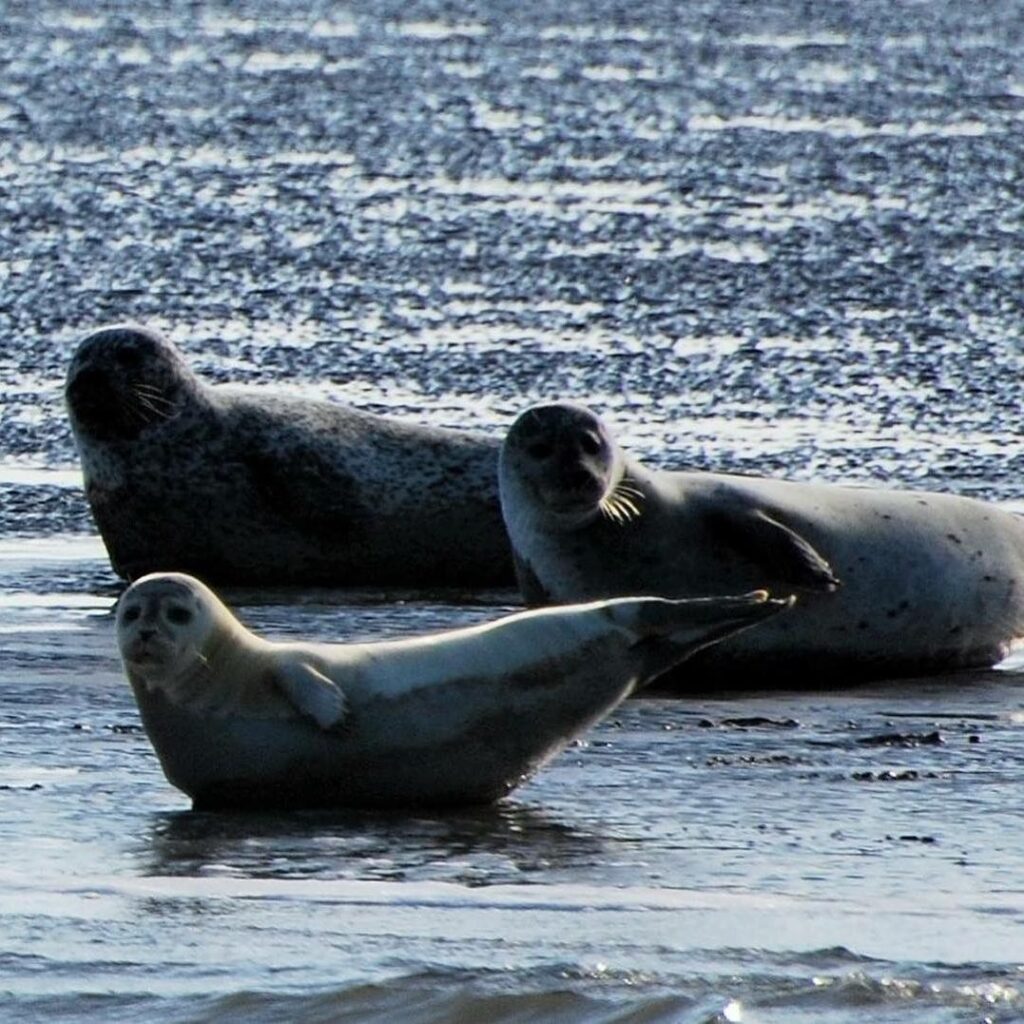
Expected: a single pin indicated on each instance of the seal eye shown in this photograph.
(178, 615)
(129, 358)
(539, 450)
(131, 614)
(590, 444)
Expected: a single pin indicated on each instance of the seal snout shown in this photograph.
(144, 640)
(578, 482)
(95, 402)
(150, 650)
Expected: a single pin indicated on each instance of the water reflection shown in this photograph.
(474, 846)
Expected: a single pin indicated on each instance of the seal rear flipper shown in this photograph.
(312, 693)
(779, 551)
(697, 621)
(666, 632)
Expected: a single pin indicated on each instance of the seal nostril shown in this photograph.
(577, 477)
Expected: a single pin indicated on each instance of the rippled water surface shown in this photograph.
(779, 238)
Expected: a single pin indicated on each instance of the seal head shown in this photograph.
(163, 626)
(177, 639)
(125, 379)
(567, 467)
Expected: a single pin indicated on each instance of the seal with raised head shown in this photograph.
(462, 716)
(242, 486)
(892, 583)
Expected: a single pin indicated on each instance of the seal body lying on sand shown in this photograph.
(241, 486)
(893, 582)
(458, 717)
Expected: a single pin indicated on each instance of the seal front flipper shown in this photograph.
(532, 591)
(297, 482)
(311, 692)
(778, 550)
(293, 486)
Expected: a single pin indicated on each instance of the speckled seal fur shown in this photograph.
(239, 485)
(462, 716)
(891, 583)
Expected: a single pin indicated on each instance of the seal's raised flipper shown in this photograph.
(312, 693)
(780, 551)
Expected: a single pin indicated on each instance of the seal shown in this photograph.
(462, 716)
(891, 583)
(245, 487)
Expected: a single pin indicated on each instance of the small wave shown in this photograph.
(570, 994)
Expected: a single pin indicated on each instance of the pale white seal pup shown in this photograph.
(926, 582)
(462, 716)
(241, 486)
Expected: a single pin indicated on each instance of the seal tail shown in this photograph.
(694, 623)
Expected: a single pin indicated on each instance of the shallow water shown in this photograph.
(770, 238)
(796, 856)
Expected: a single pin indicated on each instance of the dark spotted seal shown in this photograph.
(891, 582)
(241, 486)
(462, 716)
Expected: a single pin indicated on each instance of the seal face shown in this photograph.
(125, 381)
(240, 485)
(458, 717)
(891, 583)
(162, 626)
(570, 466)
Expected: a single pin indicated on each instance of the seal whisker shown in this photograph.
(152, 401)
(622, 504)
(612, 509)
(144, 405)
(628, 505)
(629, 490)
(153, 393)
(136, 413)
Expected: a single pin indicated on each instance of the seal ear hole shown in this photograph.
(131, 613)
(540, 450)
(179, 615)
